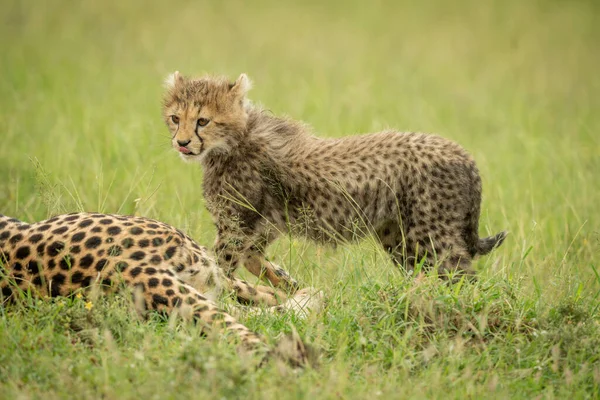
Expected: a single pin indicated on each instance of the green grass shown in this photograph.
(515, 82)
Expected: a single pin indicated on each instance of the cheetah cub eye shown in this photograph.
(203, 121)
(175, 119)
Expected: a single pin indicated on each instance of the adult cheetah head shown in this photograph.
(205, 115)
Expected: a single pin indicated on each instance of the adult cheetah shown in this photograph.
(170, 271)
(418, 194)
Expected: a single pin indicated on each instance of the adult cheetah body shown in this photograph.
(67, 253)
(418, 194)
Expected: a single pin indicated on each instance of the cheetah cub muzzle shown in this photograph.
(264, 175)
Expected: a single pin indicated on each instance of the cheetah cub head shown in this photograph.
(205, 115)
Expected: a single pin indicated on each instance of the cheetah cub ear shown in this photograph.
(172, 80)
(241, 86)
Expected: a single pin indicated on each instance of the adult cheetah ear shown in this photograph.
(172, 80)
(241, 86)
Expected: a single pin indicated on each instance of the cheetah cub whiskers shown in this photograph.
(172, 273)
(418, 194)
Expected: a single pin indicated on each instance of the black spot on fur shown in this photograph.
(136, 230)
(77, 277)
(61, 230)
(153, 282)
(58, 279)
(33, 239)
(121, 266)
(55, 248)
(170, 252)
(127, 243)
(6, 292)
(23, 252)
(135, 272)
(75, 249)
(101, 264)
(78, 237)
(156, 259)
(16, 238)
(86, 261)
(176, 301)
(71, 218)
(96, 229)
(157, 241)
(138, 255)
(44, 227)
(33, 267)
(93, 242)
(85, 223)
(183, 290)
(113, 230)
(191, 300)
(144, 243)
(115, 251)
(87, 281)
(167, 282)
(158, 300)
(65, 263)
(106, 221)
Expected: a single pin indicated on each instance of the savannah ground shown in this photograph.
(515, 82)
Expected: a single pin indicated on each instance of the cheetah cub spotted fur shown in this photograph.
(167, 271)
(418, 194)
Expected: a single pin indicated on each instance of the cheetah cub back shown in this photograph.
(418, 194)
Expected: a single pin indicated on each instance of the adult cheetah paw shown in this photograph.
(303, 302)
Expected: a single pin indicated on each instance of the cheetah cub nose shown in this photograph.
(183, 143)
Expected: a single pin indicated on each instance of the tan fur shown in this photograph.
(173, 273)
(263, 175)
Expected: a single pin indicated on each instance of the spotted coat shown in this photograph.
(264, 175)
(165, 267)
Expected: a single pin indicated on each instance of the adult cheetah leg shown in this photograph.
(174, 295)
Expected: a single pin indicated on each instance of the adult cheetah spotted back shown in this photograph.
(164, 267)
(418, 194)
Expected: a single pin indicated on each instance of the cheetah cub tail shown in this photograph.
(488, 244)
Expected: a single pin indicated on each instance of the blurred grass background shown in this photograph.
(515, 82)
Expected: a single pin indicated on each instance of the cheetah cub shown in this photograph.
(167, 270)
(418, 194)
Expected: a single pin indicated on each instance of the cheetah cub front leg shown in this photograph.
(233, 250)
